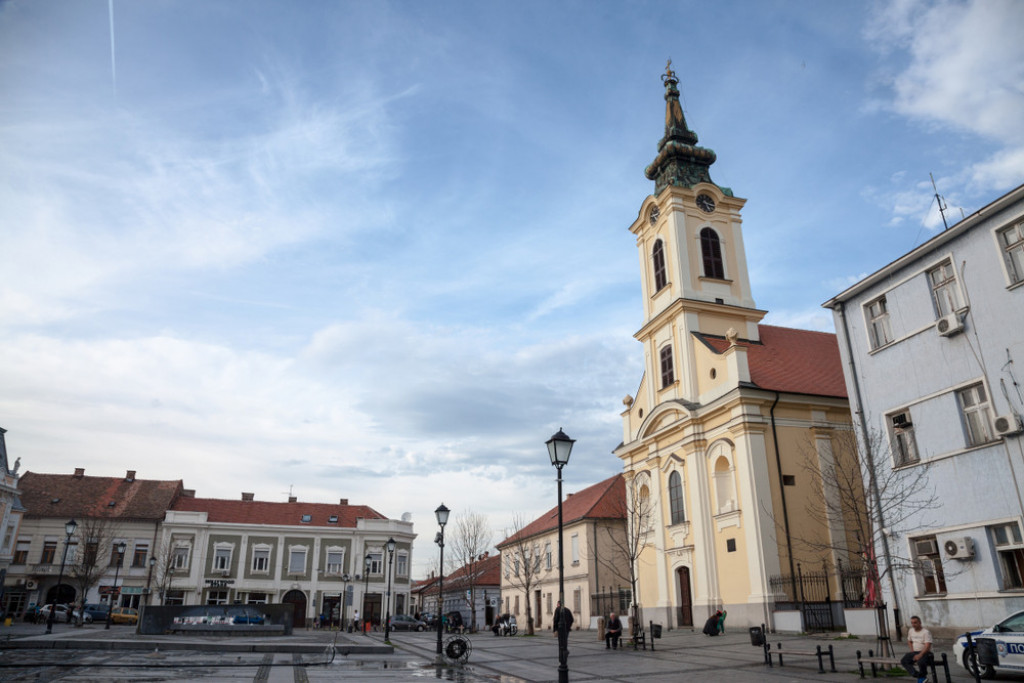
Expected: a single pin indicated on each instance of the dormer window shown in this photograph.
(658, 261)
(306, 519)
(333, 519)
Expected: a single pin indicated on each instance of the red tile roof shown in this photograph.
(486, 572)
(791, 360)
(279, 514)
(604, 500)
(70, 495)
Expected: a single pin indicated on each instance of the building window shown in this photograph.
(711, 251)
(115, 557)
(49, 551)
(516, 612)
(675, 497)
(401, 565)
(218, 597)
(1007, 540)
(261, 559)
(658, 258)
(256, 599)
(306, 519)
(140, 554)
(547, 556)
(376, 562)
(976, 413)
(175, 597)
(91, 553)
(515, 569)
(222, 559)
(549, 603)
(931, 579)
(625, 600)
(668, 375)
(335, 561)
(1012, 241)
(21, 552)
(944, 290)
(180, 559)
(297, 561)
(878, 323)
(577, 601)
(575, 544)
(904, 444)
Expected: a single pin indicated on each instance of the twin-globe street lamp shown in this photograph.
(390, 545)
(344, 599)
(559, 448)
(121, 548)
(69, 529)
(442, 518)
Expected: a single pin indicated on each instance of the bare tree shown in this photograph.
(90, 559)
(470, 538)
(163, 569)
(522, 563)
(630, 538)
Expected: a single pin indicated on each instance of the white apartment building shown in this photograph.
(933, 350)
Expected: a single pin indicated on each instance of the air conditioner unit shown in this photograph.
(926, 546)
(960, 548)
(31, 585)
(901, 421)
(948, 325)
(1008, 424)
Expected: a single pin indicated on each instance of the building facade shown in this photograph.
(107, 511)
(474, 591)
(594, 562)
(728, 411)
(307, 554)
(11, 511)
(931, 344)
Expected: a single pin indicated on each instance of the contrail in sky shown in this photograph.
(113, 64)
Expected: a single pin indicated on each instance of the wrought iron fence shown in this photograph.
(611, 600)
(811, 592)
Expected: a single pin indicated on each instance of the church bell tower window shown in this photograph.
(711, 250)
(667, 373)
(658, 259)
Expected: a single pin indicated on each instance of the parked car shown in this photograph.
(96, 611)
(1009, 637)
(403, 622)
(124, 615)
(82, 616)
(60, 613)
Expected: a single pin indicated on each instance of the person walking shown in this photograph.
(613, 632)
(919, 640)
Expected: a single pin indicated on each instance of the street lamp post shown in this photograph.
(367, 561)
(390, 545)
(559, 448)
(442, 518)
(344, 599)
(121, 547)
(69, 529)
(149, 578)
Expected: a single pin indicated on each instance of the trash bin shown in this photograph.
(757, 636)
(655, 630)
(988, 654)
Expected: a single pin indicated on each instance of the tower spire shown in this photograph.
(680, 162)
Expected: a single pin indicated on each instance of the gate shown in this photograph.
(811, 593)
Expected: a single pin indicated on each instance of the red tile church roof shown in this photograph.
(604, 500)
(791, 360)
(280, 514)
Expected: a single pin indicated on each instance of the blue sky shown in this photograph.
(380, 250)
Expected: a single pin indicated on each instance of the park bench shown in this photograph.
(816, 652)
(877, 663)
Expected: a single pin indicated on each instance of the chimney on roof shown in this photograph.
(188, 493)
(247, 496)
(130, 477)
(343, 501)
(293, 499)
(79, 472)
(568, 495)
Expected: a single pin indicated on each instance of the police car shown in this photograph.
(1009, 637)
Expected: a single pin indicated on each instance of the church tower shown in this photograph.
(726, 409)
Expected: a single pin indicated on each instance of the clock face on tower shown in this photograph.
(705, 203)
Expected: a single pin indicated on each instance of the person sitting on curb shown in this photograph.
(613, 632)
(711, 625)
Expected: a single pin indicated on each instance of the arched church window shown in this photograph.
(711, 251)
(658, 258)
(668, 375)
(675, 497)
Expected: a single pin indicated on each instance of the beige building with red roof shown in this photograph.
(594, 526)
(728, 412)
(307, 554)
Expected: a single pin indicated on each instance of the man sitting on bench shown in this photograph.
(613, 632)
(919, 639)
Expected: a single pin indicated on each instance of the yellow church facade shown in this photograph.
(730, 417)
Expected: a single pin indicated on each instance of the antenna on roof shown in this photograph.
(942, 203)
(290, 486)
